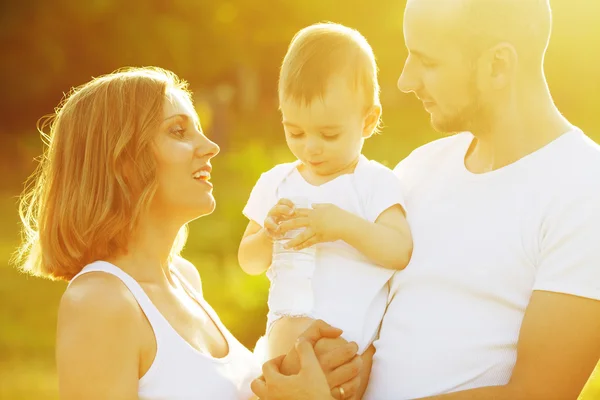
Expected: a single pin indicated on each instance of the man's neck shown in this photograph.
(514, 132)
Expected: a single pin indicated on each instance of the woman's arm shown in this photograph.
(98, 340)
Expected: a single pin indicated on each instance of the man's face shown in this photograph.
(437, 70)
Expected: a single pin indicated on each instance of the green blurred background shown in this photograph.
(230, 53)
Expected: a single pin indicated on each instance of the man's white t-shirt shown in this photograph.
(482, 244)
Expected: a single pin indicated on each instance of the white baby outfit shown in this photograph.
(346, 289)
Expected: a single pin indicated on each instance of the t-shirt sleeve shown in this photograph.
(261, 200)
(400, 169)
(570, 253)
(386, 191)
(405, 172)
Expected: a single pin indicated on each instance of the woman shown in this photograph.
(127, 167)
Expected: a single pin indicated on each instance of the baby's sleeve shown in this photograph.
(385, 191)
(264, 195)
(260, 200)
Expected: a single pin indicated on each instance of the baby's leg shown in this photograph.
(281, 339)
(283, 334)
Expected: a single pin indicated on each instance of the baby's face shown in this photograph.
(327, 135)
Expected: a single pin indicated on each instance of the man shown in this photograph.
(501, 298)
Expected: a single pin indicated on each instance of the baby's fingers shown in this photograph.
(297, 242)
(281, 210)
(286, 202)
(271, 227)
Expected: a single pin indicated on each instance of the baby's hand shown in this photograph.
(323, 223)
(283, 210)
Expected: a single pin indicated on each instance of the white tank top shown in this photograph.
(179, 371)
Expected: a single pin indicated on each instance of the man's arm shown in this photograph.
(559, 345)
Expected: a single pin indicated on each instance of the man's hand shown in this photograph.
(341, 364)
(308, 384)
(338, 358)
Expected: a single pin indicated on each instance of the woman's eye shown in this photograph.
(296, 134)
(177, 131)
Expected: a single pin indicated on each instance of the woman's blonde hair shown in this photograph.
(97, 174)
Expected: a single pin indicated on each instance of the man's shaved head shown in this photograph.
(468, 58)
(479, 24)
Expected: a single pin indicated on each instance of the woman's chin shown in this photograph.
(190, 212)
(205, 208)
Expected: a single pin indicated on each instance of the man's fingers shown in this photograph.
(325, 345)
(319, 329)
(307, 356)
(338, 356)
(270, 369)
(259, 387)
(345, 373)
(349, 389)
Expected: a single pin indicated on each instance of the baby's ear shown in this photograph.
(372, 119)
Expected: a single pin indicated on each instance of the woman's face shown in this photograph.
(183, 167)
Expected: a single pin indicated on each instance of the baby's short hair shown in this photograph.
(321, 51)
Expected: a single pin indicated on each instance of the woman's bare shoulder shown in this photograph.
(96, 298)
(99, 334)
